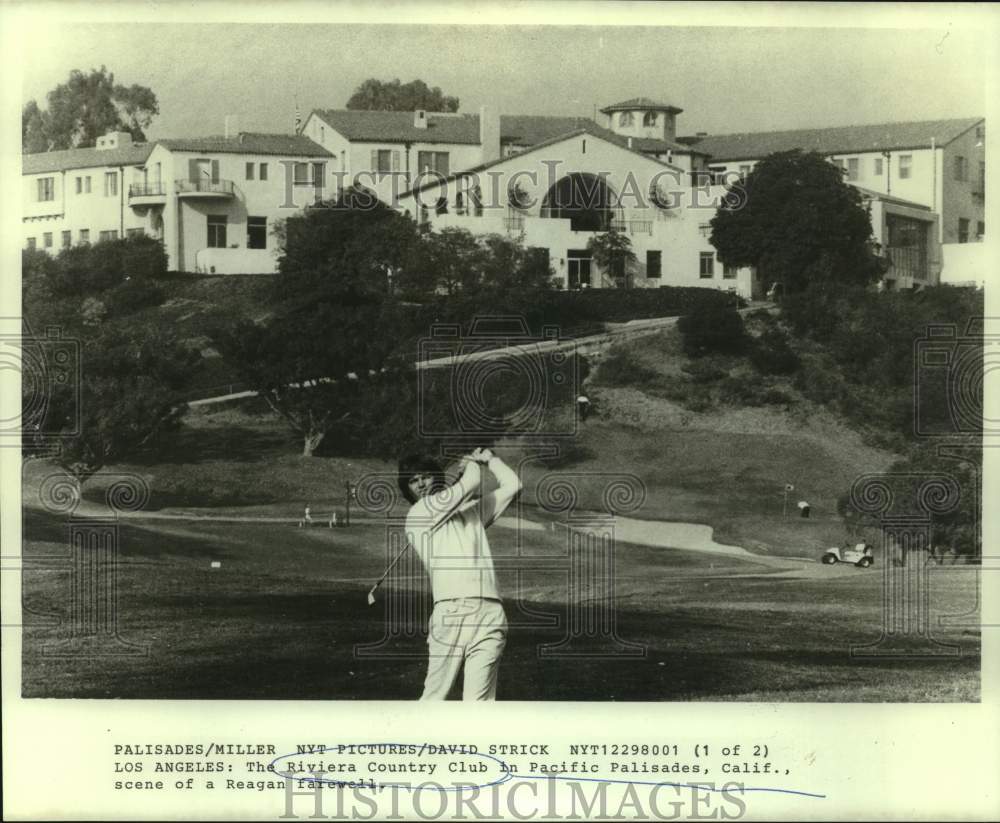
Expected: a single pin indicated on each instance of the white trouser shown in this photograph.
(469, 630)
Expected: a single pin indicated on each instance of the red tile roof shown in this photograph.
(839, 140)
(289, 145)
(517, 130)
(63, 160)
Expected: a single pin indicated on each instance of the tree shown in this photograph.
(799, 223)
(127, 395)
(613, 253)
(323, 366)
(85, 107)
(376, 95)
(349, 249)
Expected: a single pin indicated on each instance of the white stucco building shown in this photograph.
(213, 201)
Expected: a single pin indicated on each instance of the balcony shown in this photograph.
(633, 226)
(146, 194)
(206, 188)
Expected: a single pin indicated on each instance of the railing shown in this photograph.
(633, 226)
(513, 223)
(206, 187)
(146, 190)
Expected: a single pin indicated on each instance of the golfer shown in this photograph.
(446, 526)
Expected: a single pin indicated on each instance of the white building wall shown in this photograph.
(677, 233)
(92, 212)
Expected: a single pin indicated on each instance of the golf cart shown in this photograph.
(860, 555)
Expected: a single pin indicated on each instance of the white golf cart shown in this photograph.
(860, 555)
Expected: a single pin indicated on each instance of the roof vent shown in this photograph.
(420, 119)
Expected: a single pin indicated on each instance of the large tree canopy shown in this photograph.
(376, 95)
(799, 224)
(85, 107)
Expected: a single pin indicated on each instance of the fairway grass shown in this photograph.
(282, 615)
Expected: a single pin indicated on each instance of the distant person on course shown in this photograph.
(446, 526)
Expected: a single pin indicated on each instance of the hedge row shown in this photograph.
(89, 269)
(619, 305)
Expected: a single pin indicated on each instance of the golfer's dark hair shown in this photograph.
(414, 464)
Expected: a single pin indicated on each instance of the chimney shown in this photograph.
(114, 140)
(420, 119)
(232, 125)
(489, 133)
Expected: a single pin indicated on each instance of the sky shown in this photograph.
(726, 79)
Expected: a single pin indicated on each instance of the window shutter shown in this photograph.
(215, 171)
(374, 159)
(442, 163)
(395, 161)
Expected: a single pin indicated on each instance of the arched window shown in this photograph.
(625, 118)
(649, 118)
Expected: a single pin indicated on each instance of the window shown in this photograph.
(878, 167)
(110, 183)
(852, 168)
(79, 185)
(961, 168)
(256, 232)
(706, 264)
(649, 118)
(134, 232)
(47, 240)
(67, 239)
(982, 176)
(744, 171)
(217, 230)
(318, 174)
(578, 263)
(729, 272)
(46, 188)
(963, 230)
(980, 230)
(106, 236)
(31, 243)
(905, 166)
(432, 161)
(250, 170)
(705, 229)
(263, 172)
(385, 161)
(653, 264)
(300, 174)
(625, 118)
(86, 184)
(85, 235)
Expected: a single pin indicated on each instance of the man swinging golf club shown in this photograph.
(446, 526)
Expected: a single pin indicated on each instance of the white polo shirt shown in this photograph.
(456, 553)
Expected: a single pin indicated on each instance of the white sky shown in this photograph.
(725, 78)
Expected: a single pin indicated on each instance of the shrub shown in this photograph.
(88, 270)
(621, 367)
(748, 390)
(703, 370)
(134, 294)
(92, 311)
(771, 353)
(713, 327)
(143, 258)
